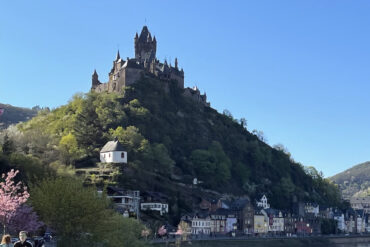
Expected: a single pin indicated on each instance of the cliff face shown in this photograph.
(354, 181)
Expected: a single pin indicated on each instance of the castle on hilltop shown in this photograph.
(127, 72)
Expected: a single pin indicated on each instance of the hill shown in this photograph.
(14, 115)
(354, 181)
(170, 139)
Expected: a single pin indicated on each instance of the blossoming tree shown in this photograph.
(12, 196)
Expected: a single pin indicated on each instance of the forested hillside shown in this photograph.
(170, 140)
(354, 181)
(14, 115)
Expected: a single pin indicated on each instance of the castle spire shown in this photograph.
(118, 56)
(176, 64)
(154, 39)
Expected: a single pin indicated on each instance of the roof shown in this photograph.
(112, 146)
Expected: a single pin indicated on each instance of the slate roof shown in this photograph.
(112, 146)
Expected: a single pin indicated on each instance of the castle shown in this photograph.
(127, 72)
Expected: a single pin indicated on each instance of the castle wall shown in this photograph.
(180, 80)
(101, 88)
(132, 75)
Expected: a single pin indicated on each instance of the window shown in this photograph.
(123, 155)
(109, 155)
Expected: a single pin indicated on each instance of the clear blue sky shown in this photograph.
(297, 70)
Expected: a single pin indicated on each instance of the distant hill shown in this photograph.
(354, 181)
(14, 115)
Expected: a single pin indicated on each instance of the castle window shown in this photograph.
(122, 155)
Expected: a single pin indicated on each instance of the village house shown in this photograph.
(126, 201)
(361, 203)
(201, 224)
(263, 203)
(219, 221)
(113, 152)
(261, 222)
(290, 221)
(276, 221)
(154, 201)
(339, 218)
(210, 204)
(303, 227)
(244, 211)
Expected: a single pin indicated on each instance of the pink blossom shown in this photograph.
(12, 196)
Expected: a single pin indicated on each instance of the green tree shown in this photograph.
(68, 148)
(8, 145)
(80, 216)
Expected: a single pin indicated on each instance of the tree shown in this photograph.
(68, 148)
(243, 123)
(8, 145)
(25, 219)
(80, 216)
(12, 196)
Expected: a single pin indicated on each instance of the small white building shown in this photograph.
(113, 152)
(162, 208)
(263, 203)
(340, 220)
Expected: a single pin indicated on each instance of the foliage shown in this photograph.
(329, 226)
(12, 196)
(166, 136)
(24, 219)
(80, 216)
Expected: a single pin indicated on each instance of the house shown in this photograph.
(220, 221)
(113, 152)
(290, 221)
(361, 203)
(276, 221)
(339, 218)
(154, 201)
(311, 209)
(210, 204)
(304, 227)
(126, 201)
(261, 222)
(263, 203)
(201, 224)
(244, 211)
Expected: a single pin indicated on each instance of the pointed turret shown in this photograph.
(154, 40)
(95, 80)
(176, 64)
(118, 56)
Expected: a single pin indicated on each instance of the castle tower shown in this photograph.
(145, 46)
(95, 80)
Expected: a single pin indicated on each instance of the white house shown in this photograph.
(263, 203)
(162, 208)
(339, 217)
(113, 152)
(201, 225)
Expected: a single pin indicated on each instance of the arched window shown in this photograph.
(122, 155)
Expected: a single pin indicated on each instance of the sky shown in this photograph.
(297, 70)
